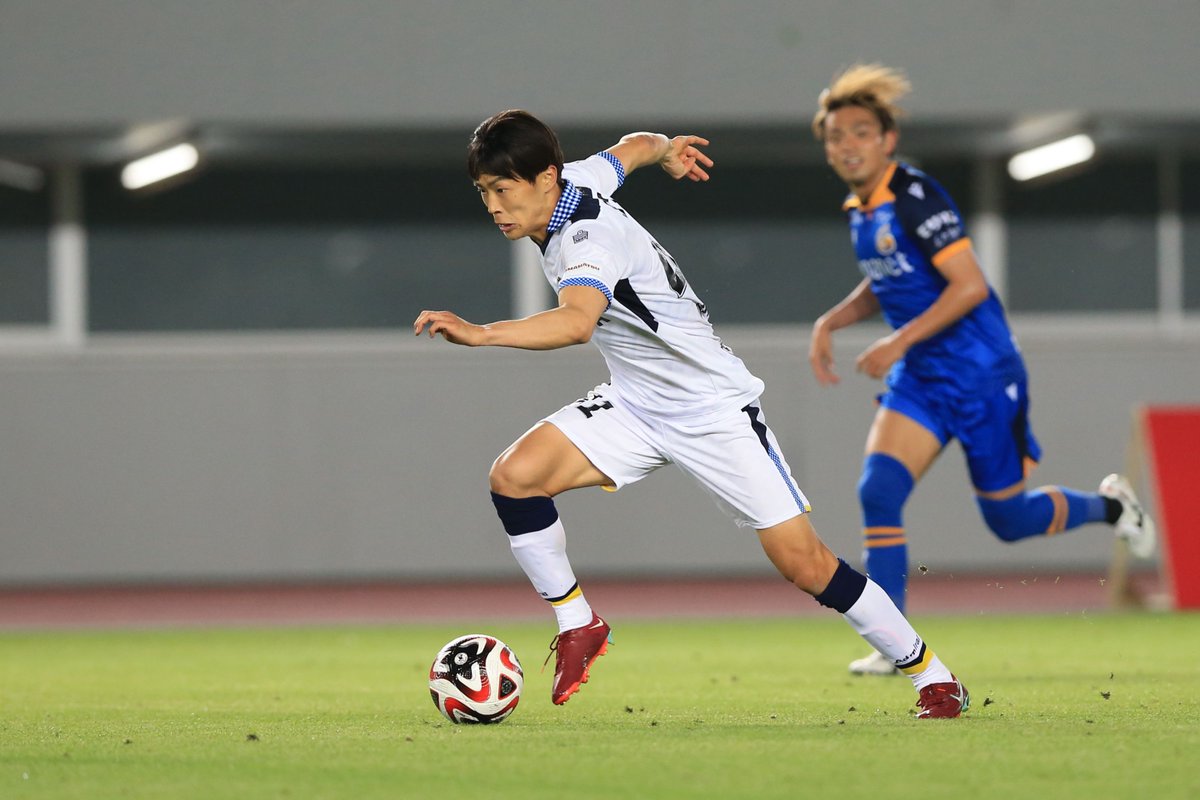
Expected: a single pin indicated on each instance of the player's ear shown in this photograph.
(890, 140)
(548, 177)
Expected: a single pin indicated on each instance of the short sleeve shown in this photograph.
(590, 259)
(931, 220)
(602, 173)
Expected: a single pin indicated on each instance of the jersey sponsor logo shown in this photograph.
(885, 242)
(946, 236)
(940, 220)
(889, 267)
(579, 237)
(584, 265)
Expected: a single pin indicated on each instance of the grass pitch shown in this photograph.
(1067, 706)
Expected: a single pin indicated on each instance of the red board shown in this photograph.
(1173, 434)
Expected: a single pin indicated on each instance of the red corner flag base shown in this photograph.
(1173, 439)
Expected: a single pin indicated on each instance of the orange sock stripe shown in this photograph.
(1058, 522)
(883, 537)
(891, 541)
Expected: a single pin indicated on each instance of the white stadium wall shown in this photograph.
(352, 457)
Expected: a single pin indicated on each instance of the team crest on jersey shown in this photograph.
(885, 242)
(579, 237)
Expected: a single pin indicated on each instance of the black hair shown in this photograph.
(513, 144)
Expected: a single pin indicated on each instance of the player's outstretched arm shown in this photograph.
(680, 156)
(572, 322)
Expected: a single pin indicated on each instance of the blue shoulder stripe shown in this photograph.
(617, 165)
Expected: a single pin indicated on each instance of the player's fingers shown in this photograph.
(420, 322)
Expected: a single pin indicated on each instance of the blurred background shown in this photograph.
(213, 378)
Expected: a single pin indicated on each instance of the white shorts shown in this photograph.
(735, 457)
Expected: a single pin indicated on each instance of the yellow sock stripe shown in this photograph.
(574, 594)
(882, 530)
(921, 665)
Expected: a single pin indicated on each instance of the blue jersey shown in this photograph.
(908, 227)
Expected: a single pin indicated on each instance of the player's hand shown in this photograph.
(877, 359)
(820, 356)
(453, 328)
(684, 160)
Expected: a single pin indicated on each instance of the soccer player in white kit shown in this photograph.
(676, 394)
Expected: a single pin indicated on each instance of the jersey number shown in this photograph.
(587, 411)
(674, 276)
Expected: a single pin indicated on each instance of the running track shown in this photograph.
(398, 603)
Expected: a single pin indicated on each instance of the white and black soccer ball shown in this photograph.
(476, 679)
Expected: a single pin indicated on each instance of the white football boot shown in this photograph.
(1134, 526)
(874, 664)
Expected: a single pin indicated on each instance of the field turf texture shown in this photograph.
(1063, 706)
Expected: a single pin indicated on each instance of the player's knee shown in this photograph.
(1005, 518)
(509, 476)
(883, 488)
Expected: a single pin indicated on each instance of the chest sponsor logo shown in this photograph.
(892, 266)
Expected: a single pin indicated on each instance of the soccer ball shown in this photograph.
(476, 679)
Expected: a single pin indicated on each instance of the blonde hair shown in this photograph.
(870, 86)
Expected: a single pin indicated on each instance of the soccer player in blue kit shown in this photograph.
(952, 366)
(676, 395)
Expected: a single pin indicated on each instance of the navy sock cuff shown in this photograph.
(844, 589)
(524, 514)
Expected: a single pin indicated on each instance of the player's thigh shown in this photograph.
(899, 434)
(738, 461)
(591, 442)
(543, 461)
(998, 441)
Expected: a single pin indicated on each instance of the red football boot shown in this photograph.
(943, 700)
(576, 650)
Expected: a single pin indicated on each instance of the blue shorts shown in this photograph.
(992, 427)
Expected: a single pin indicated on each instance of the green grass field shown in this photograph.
(1095, 706)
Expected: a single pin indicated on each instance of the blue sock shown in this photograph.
(882, 491)
(1042, 512)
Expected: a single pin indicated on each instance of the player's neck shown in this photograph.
(864, 191)
(542, 233)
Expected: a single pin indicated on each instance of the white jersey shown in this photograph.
(663, 355)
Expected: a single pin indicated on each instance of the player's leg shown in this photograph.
(738, 461)
(587, 443)
(1001, 448)
(901, 445)
(899, 451)
(800, 556)
(524, 479)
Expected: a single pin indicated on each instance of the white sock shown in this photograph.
(875, 617)
(543, 556)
